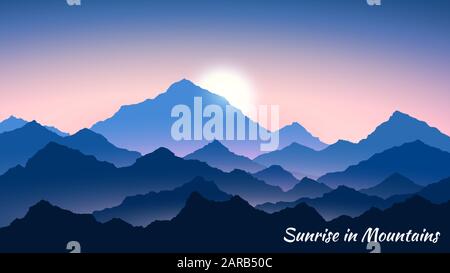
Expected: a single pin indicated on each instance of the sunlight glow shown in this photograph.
(230, 84)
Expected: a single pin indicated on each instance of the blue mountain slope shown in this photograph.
(295, 189)
(402, 128)
(276, 175)
(91, 143)
(13, 123)
(81, 183)
(141, 210)
(342, 201)
(147, 126)
(60, 174)
(395, 184)
(307, 188)
(219, 156)
(296, 133)
(438, 192)
(289, 158)
(19, 145)
(399, 129)
(416, 160)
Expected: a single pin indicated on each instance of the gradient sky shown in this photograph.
(339, 67)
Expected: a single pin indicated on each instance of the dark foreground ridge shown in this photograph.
(229, 226)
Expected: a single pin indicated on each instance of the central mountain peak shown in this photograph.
(183, 83)
(216, 146)
(149, 125)
(186, 87)
(400, 115)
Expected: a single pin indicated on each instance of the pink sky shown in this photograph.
(339, 68)
(336, 94)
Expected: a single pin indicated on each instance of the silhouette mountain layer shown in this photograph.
(48, 229)
(13, 123)
(277, 176)
(219, 156)
(81, 183)
(91, 143)
(21, 144)
(399, 129)
(347, 201)
(437, 192)
(296, 133)
(290, 157)
(203, 226)
(342, 201)
(141, 210)
(395, 184)
(146, 126)
(18, 145)
(307, 188)
(415, 215)
(416, 160)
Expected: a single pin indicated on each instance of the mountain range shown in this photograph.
(47, 228)
(296, 133)
(294, 188)
(134, 126)
(349, 202)
(204, 226)
(143, 209)
(438, 192)
(341, 201)
(307, 188)
(191, 190)
(416, 160)
(219, 156)
(277, 176)
(13, 123)
(81, 183)
(301, 153)
(399, 129)
(21, 144)
(395, 184)
(90, 143)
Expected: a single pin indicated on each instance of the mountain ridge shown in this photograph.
(48, 227)
(395, 184)
(129, 128)
(341, 201)
(13, 123)
(399, 129)
(418, 161)
(83, 184)
(217, 155)
(143, 209)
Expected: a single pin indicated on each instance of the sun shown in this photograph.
(230, 84)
